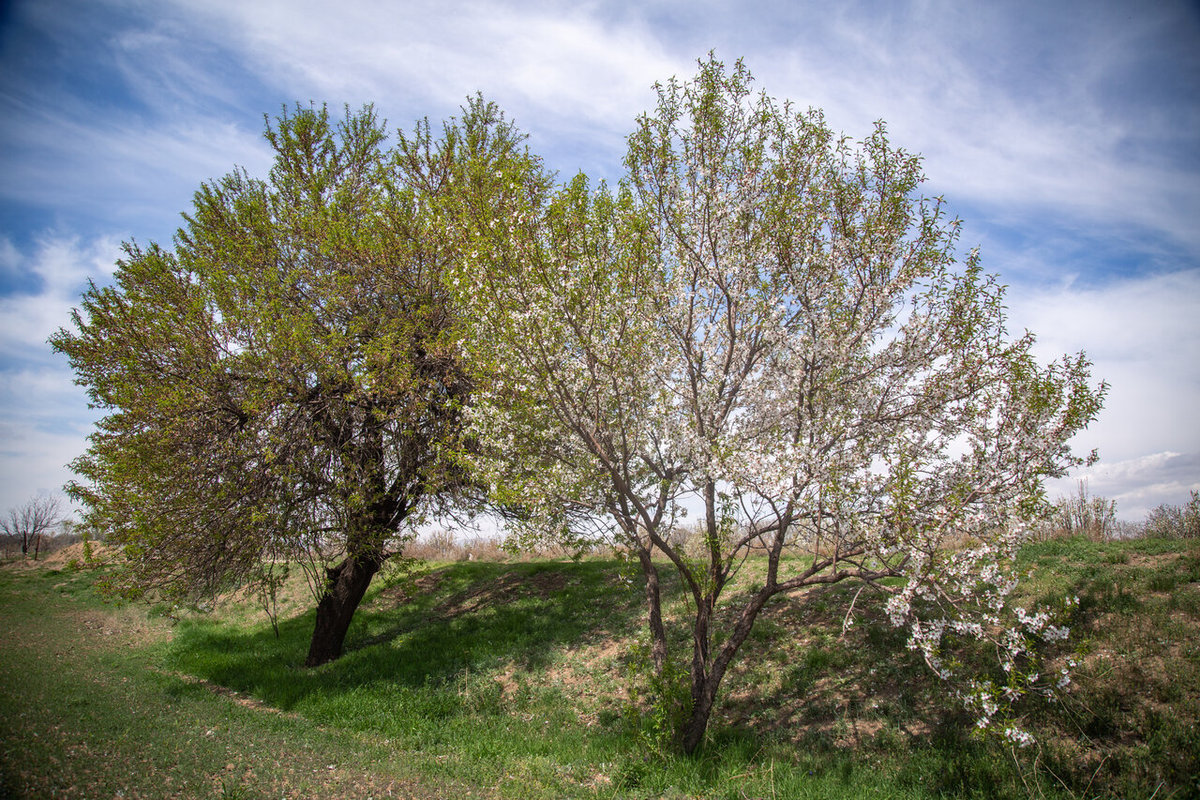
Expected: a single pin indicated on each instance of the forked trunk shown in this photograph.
(348, 582)
(705, 678)
(707, 673)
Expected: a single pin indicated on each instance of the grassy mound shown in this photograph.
(526, 680)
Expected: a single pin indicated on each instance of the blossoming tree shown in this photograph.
(766, 325)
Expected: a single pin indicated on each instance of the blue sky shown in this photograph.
(1066, 135)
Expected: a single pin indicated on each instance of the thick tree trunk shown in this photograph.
(704, 680)
(348, 582)
(697, 724)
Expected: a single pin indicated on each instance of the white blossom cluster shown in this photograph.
(768, 324)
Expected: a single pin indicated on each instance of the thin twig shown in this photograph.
(846, 623)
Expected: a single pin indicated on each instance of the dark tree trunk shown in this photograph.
(702, 705)
(348, 582)
(704, 681)
(706, 677)
(658, 634)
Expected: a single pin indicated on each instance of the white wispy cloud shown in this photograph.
(62, 266)
(559, 69)
(1141, 484)
(1004, 120)
(43, 415)
(35, 460)
(122, 171)
(1143, 337)
(1067, 129)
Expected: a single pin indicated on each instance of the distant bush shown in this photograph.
(1084, 514)
(1175, 522)
(444, 545)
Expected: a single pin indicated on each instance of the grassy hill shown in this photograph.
(526, 680)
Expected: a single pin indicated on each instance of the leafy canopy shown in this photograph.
(286, 384)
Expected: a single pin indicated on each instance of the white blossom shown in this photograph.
(782, 336)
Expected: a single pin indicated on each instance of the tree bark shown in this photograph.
(704, 681)
(702, 705)
(658, 634)
(706, 676)
(348, 582)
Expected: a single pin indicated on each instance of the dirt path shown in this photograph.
(86, 712)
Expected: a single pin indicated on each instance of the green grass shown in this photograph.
(87, 710)
(510, 680)
(1132, 724)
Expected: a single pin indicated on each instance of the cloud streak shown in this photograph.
(43, 416)
(1143, 337)
(1025, 110)
(122, 172)
(561, 66)
(1140, 484)
(1065, 134)
(61, 267)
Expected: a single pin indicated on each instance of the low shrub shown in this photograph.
(1175, 522)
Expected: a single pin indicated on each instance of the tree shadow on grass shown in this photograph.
(411, 639)
(810, 682)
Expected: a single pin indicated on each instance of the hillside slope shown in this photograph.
(525, 680)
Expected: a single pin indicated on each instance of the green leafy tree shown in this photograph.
(285, 384)
(768, 325)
